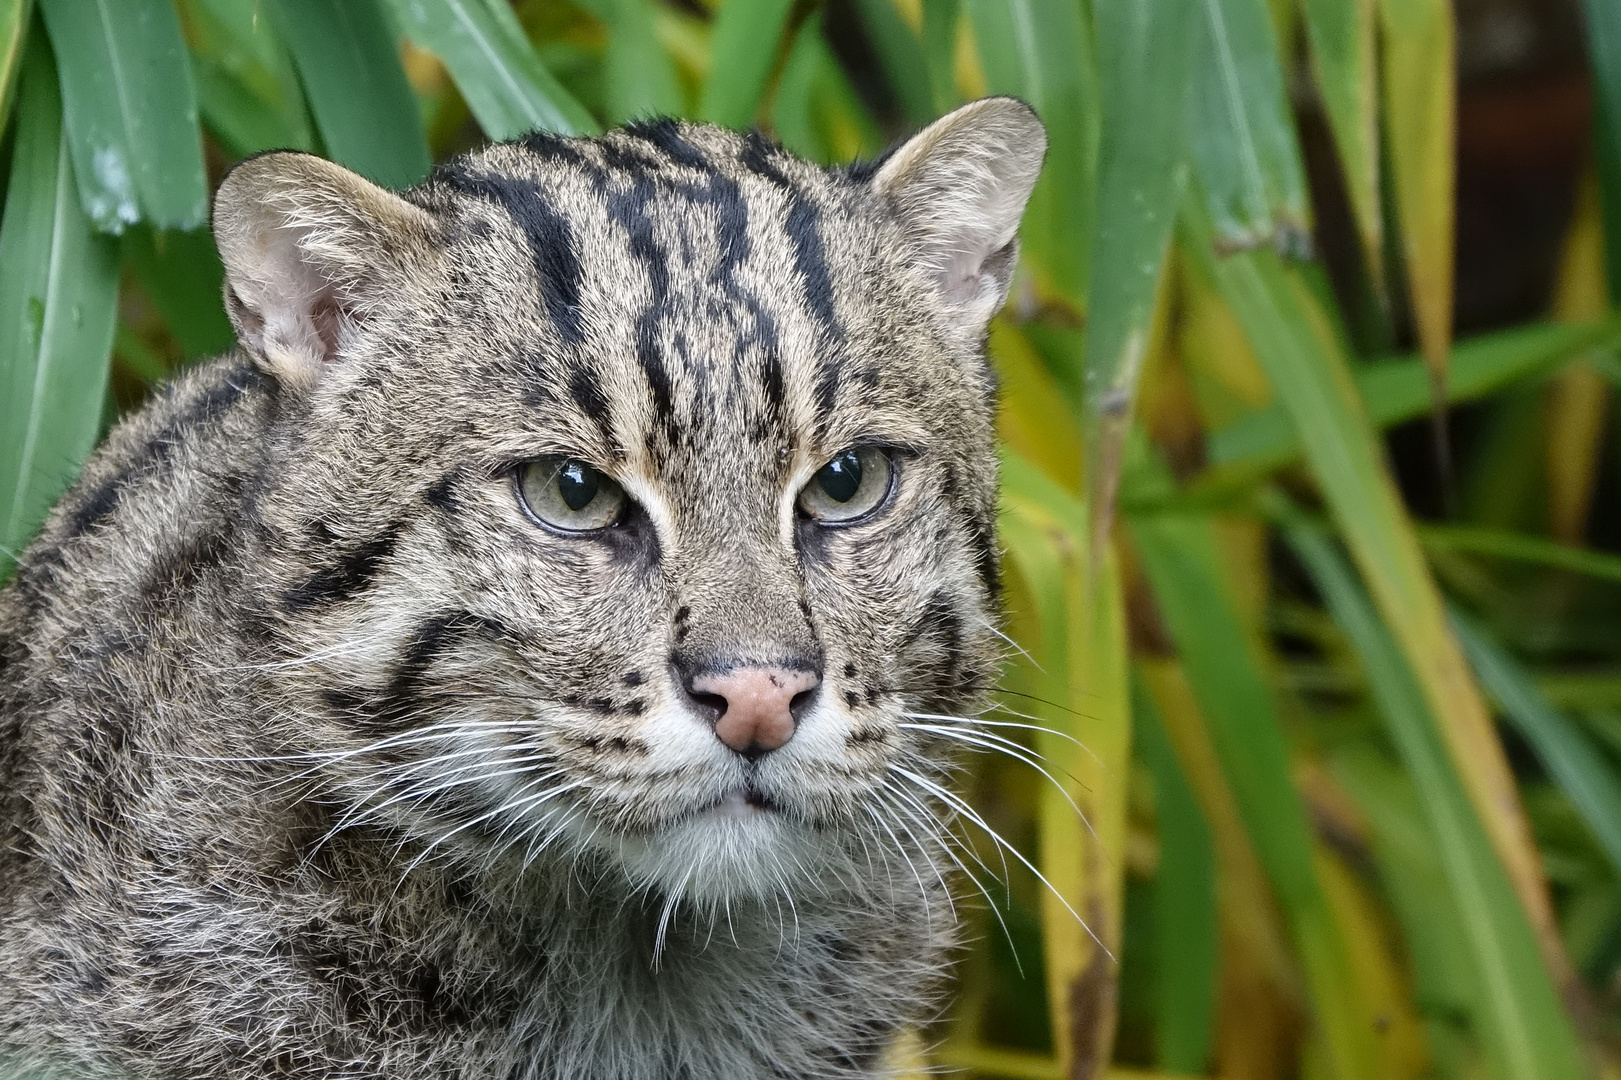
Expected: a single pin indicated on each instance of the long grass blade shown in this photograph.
(1242, 133)
(1041, 51)
(743, 50)
(638, 74)
(1081, 663)
(900, 52)
(1186, 936)
(506, 86)
(1341, 35)
(58, 290)
(14, 19)
(247, 91)
(1397, 389)
(1224, 669)
(181, 273)
(130, 111)
(1145, 54)
(1574, 763)
(1604, 52)
(349, 62)
(1420, 98)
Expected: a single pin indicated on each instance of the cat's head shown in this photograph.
(636, 494)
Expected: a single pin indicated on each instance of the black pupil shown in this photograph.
(841, 477)
(577, 484)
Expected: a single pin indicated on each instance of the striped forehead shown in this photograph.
(683, 276)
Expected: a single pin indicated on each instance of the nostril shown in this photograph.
(711, 706)
(803, 701)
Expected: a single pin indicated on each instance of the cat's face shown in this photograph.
(637, 495)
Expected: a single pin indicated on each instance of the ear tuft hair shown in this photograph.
(308, 246)
(961, 185)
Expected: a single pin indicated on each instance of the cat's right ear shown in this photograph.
(309, 247)
(960, 186)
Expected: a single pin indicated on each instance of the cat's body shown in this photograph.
(330, 747)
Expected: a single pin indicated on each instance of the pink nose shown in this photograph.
(757, 714)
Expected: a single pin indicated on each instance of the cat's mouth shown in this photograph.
(743, 802)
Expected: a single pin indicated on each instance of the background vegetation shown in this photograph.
(1318, 593)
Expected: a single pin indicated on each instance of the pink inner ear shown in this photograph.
(287, 311)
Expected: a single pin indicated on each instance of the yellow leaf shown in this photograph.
(1420, 79)
(1579, 398)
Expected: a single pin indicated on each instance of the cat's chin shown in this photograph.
(739, 848)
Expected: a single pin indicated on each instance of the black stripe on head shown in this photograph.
(351, 575)
(665, 134)
(403, 697)
(550, 237)
(803, 225)
(629, 208)
(585, 387)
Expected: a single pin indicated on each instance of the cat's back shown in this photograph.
(112, 606)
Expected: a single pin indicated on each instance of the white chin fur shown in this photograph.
(732, 852)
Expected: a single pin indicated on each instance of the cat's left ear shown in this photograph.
(960, 186)
(310, 249)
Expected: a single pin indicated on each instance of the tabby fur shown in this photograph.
(320, 758)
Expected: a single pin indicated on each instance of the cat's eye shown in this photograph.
(849, 487)
(566, 493)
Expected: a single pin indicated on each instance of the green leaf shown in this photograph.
(1245, 152)
(506, 86)
(1604, 52)
(1041, 51)
(1483, 540)
(1342, 50)
(182, 274)
(1395, 390)
(1574, 763)
(1520, 1022)
(1145, 56)
(743, 46)
(13, 33)
(130, 111)
(364, 108)
(1186, 937)
(247, 90)
(1224, 669)
(815, 111)
(900, 52)
(58, 295)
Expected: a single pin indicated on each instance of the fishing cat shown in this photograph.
(537, 650)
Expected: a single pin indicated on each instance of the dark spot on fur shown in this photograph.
(442, 494)
(852, 699)
(347, 578)
(633, 678)
(850, 671)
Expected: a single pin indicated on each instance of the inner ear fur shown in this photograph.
(960, 186)
(309, 248)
